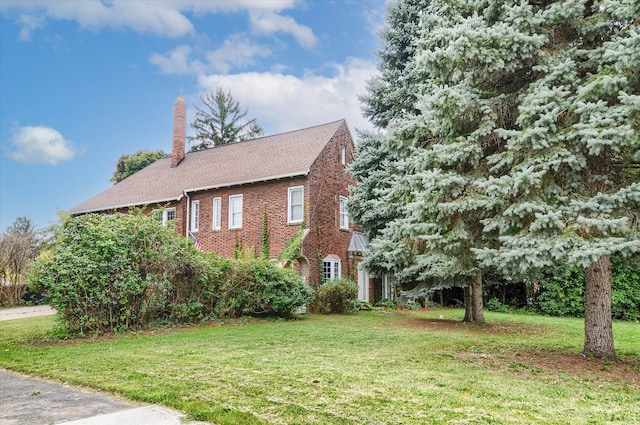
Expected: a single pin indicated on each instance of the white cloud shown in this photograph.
(158, 18)
(236, 52)
(285, 102)
(176, 61)
(162, 18)
(29, 23)
(271, 23)
(39, 144)
(216, 6)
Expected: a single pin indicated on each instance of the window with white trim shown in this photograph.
(295, 209)
(235, 212)
(331, 268)
(344, 215)
(164, 215)
(217, 214)
(344, 155)
(195, 216)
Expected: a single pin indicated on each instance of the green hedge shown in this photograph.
(118, 272)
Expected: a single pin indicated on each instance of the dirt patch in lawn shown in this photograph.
(503, 328)
(553, 363)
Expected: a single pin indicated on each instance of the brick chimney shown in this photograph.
(179, 131)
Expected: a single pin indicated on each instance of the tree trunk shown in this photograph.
(476, 295)
(598, 333)
(468, 306)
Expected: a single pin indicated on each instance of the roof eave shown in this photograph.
(115, 207)
(250, 181)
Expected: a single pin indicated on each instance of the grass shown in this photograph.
(375, 367)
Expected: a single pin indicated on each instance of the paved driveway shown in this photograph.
(23, 312)
(32, 401)
(26, 400)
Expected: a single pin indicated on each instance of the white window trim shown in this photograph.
(216, 223)
(344, 215)
(333, 262)
(195, 216)
(165, 214)
(231, 223)
(289, 219)
(344, 155)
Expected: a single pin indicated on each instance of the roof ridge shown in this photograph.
(268, 136)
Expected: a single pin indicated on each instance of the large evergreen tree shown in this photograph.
(517, 146)
(221, 121)
(392, 93)
(458, 97)
(567, 179)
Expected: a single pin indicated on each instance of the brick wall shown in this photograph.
(257, 198)
(328, 180)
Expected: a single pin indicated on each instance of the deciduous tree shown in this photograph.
(129, 164)
(19, 246)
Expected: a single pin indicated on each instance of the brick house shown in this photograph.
(221, 196)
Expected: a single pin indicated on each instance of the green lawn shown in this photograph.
(376, 367)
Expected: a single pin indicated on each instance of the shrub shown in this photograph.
(118, 272)
(562, 294)
(360, 306)
(336, 296)
(107, 270)
(495, 305)
(388, 304)
(255, 286)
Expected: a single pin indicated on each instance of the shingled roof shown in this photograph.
(265, 158)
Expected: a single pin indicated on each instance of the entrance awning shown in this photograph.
(359, 243)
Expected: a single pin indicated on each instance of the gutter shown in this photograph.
(115, 207)
(242, 182)
(186, 221)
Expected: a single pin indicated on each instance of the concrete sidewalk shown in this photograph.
(30, 401)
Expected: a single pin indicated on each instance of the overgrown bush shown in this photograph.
(118, 272)
(336, 296)
(107, 271)
(255, 286)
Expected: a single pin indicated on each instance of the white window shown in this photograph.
(169, 214)
(217, 214)
(344, 215)
(195, 216)
(344, 156)
(235, 212)
(331, 268)
(296, 204)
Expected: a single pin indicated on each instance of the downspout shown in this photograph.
(186, 227)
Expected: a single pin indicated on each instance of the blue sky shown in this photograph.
(83, 82)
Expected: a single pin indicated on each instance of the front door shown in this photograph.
(363, 284)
